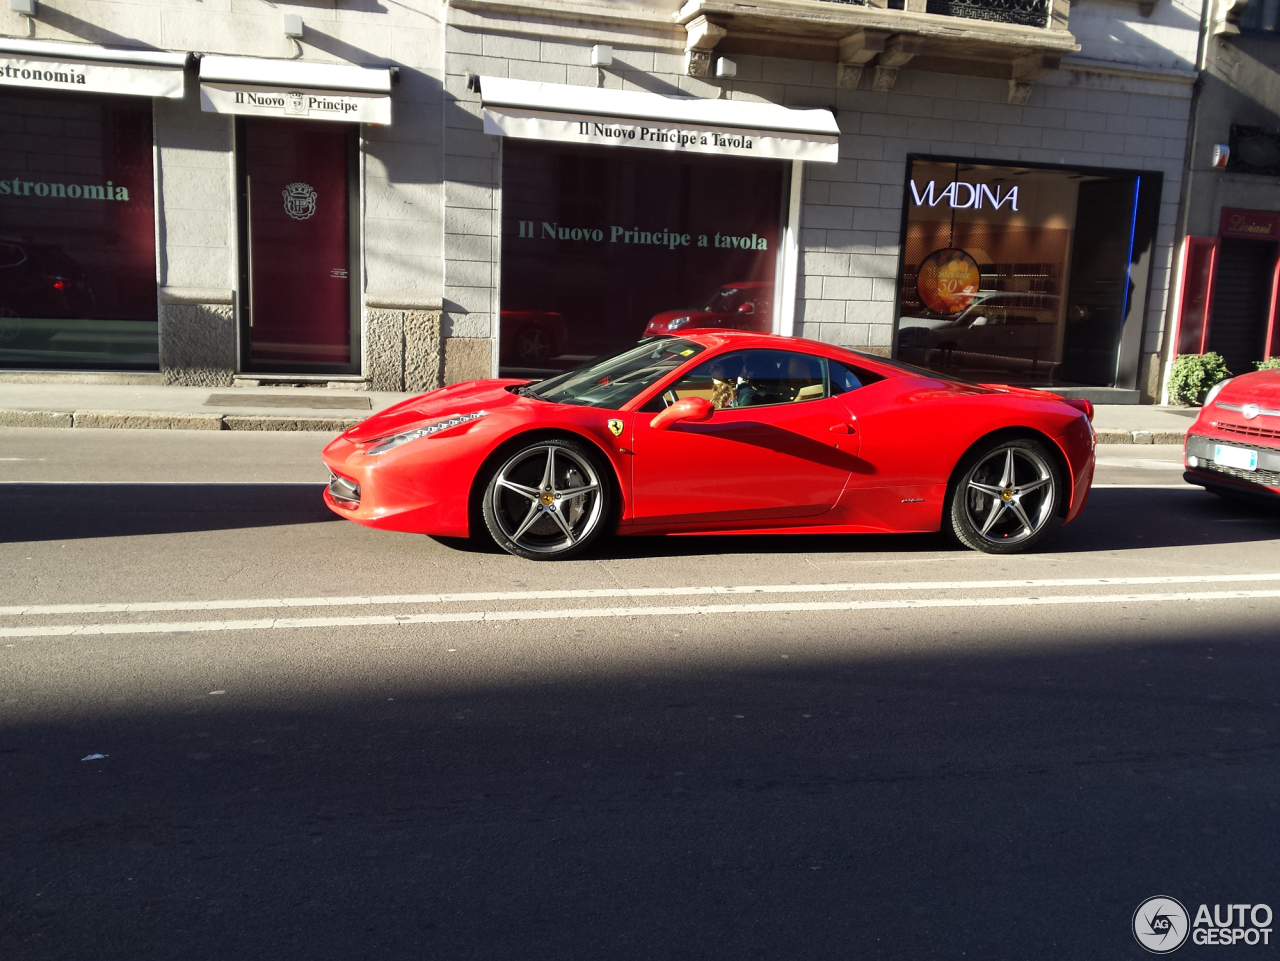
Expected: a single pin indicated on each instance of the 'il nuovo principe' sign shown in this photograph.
(341, 105)
(671, 136)
(43, 73)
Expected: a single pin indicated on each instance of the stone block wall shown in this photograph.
(197, 344)
(402, 349)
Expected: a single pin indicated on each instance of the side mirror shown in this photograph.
(693, 409)
(747, 308)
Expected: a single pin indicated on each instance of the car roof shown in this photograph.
(717, 337)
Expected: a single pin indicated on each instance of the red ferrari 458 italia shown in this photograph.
(1233, 448)
(719, 432)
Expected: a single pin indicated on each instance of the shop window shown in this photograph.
(77, 233)
(1002, 281)
(297, 194)
(1199, 261)
(603, 246)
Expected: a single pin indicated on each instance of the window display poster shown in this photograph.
(601, 244)
(77, 232)
(996, 282)
(299, 243)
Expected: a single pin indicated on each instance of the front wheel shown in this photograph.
(1006, 497)
(548, 500)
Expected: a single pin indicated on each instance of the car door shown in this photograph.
(777, 446)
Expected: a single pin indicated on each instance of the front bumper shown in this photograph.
(418, 489)
(1265, 481)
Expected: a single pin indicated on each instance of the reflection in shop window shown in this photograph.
(77, 233)
(1016, 274)
(601, 246)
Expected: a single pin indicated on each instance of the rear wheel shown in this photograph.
(548, 501)
(1006, 498)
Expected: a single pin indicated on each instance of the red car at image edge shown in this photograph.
(1233, 448)
(723, 432)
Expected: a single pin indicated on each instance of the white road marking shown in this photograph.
(1140, 463)
(144, 607)
(1150, 487)
(376, 620)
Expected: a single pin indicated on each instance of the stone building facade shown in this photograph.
(1226, 298)
(919, 94)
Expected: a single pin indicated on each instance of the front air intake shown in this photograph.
(345, 492)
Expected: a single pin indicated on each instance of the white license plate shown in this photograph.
(1236, 457)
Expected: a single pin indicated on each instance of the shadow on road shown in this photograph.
(43, 512)
(980, 806)
(1114, 519)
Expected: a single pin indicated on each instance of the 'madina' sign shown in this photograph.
(965, 196)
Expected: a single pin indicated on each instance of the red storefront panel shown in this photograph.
(299, 243)
(1196, 295)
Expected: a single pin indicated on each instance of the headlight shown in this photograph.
(679, 322)
(384, 444)
(1215, 390)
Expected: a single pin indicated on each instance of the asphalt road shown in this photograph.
(326, 742)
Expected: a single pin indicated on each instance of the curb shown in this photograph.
(1110, 435)
(161, 420)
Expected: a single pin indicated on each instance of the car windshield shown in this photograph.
(613, 380)
(724, 300)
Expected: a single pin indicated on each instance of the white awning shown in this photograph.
(291, 88)
(625, 118)
(52, 65)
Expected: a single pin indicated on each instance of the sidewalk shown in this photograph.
(334, 409)
(188, 408)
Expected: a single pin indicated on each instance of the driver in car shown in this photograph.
(752, 389)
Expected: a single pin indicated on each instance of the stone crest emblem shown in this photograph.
(299, 200)
(615, 427)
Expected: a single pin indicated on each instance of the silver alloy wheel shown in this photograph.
(546, 499)
(1010, 495)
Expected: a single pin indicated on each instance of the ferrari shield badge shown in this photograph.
(615, 427)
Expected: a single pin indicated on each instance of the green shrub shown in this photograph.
(1271, 363)
(1193, 375)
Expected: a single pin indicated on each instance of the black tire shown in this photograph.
(1005, 496)
(525, 509)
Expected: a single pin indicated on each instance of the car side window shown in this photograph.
(753, 378)
(845, 378)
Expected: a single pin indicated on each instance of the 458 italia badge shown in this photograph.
(615, 427)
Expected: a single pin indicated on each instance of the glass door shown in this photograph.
(297, 194)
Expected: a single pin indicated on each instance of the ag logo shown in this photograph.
(1161, 924)
(299, 201)
(615, 428)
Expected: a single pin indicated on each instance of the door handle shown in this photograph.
(843, 429)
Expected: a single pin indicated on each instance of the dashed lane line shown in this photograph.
(144, 607)
(719, 610)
